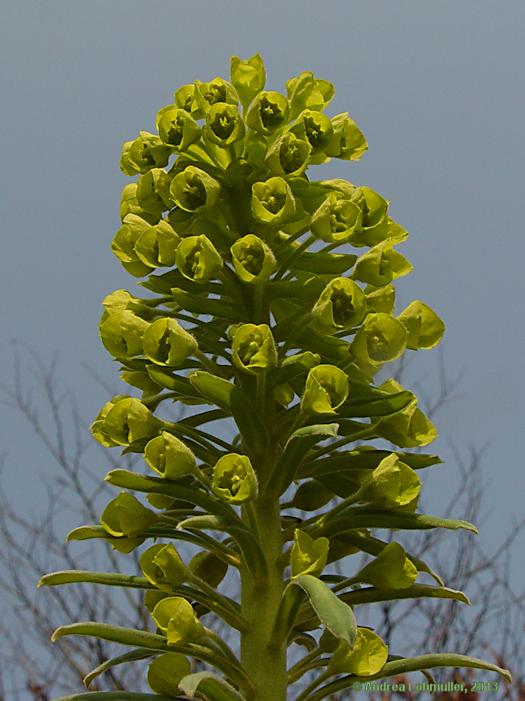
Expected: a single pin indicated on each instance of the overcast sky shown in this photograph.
(437, 87)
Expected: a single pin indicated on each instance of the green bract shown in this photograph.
(234, 479)
(165, 342)
(169, 456)
(252, 259)
(273, 201)
(341, 305)
(325, 390)
(254, 348)
(193, 189)
(198, 259)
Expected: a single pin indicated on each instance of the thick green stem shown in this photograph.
(264, 658)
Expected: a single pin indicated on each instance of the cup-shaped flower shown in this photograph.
(248, 77)
(165, 342)
(253, 348)
(391, 569)
(97, 429)
(326, 389)
(381, 339)
(194, 189)
(375, 221)
(123, 245)
(145, 152)
(126, 516)
(129, 421)
(273, 201)
(288, 155)
(198, 259)
(234, 479)
(407, 428)
(166, 671)
(207, 566)
(336, 219)
(175, 617)
(153, 191)
(122, 332)
(425, 328)
(308, 554)
(177, 128)
(268, 112)
(347, 141)
(341, 305)
(185, 98)
(114, 301)
(368, 655)
(305, 91)
(380, 265)
(214, 91)
(224, 125)
(163, 566)
(391, 484)
(156, 246)
(252, 259)
(169, 456)
(314, 127)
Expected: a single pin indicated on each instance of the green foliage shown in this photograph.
(252, 315)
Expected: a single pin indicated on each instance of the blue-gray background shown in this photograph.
(437, 88)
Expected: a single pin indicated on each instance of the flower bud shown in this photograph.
(391, 569)
(224, 125)
(305, 91)
(254, 348)
(391, 484)
(175, 617)
(194, 189)
(166, 671)
(325, 391)
(381, 265)
(273, 201)
(156, 246)
(252, 259)
(248, 77)
(129, 421)
(126, 164)
(381, 339)
(177, 128)
(347, 141)
(234, 479)
(425, 328)
(126, 516)
(121, 333)
(163, 567)
(146, 152)
(97, 427)
(336, 219)
(407, 428)
(169, 456)
(165, 342)
(153, 191)
(288, 155)
(308, 555)
(208, 567)
(314, 127)
(368, 655)
(341, 305)
(198, 259)
(269, 111)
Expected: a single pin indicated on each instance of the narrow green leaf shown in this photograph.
(213, 687)
(416, 591)
(334, 614)
(109, 578)
(138, 654)
(115, 634)
(118, 696)
(216, 389)
(361, 517)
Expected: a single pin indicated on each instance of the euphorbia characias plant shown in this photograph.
(270, 306)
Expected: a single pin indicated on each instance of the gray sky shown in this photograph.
(437, 87)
